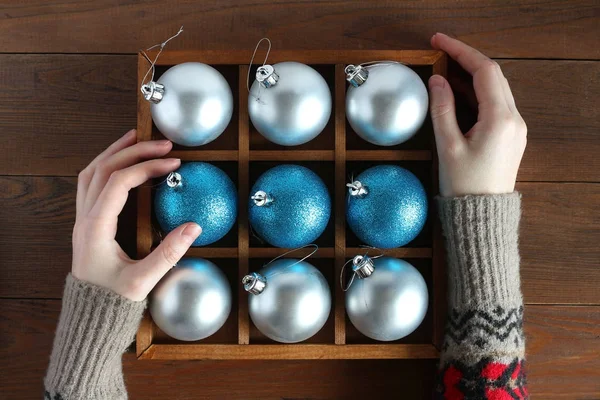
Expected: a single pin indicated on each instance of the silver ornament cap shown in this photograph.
(356, 74)
(174, 179)
(262, 198)
(363, 266)
(153, 92)
(254, 283)
(266, 76)
(357, 189)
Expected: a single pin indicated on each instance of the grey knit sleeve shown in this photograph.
(95, 328)
(484, 349)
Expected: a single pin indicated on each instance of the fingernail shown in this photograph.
(440, 34)
(191, 231)
(129, 134)
(174, 161)
(164, 142)
(436, 81)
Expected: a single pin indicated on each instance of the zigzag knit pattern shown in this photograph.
(483, 328)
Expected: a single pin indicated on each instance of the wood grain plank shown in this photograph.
(67, 109)
(313, 56)
(562, 363)
(243, 193)
(289, 352)
(58, 112)
(558, 101)
(529, 28)
(560, 232)
(339, 194)
(37, 217)
(563, 344)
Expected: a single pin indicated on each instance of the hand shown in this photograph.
(102, 190)
(486, 159)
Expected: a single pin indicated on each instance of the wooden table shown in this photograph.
(67, 90)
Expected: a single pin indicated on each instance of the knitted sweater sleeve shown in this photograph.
(483, 351)
(95, 328)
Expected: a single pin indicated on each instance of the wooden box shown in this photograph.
(335, 155)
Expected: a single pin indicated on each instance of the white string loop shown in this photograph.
(153, 62)
(316, 247)
(252, 60)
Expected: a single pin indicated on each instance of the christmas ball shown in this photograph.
(192, 103)
(289, 300)
(387, 102)
(289, 103)
(386, 206)
(197, 192)
(289, 206)
(389, 298)
(192, 301)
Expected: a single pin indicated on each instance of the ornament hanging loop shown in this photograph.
(265, 74)
(151, 90)
(316, 248)
(381, 252)
(346, 288)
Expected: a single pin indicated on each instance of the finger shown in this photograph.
(120, 160)
(443, 114)
(468, 58)
(114, 195)
(167, 254)
(510, 99)
(486, 80)
(86, 175)
(488, 85)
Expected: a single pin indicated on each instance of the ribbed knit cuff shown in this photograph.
(95, 327)
(482, 244)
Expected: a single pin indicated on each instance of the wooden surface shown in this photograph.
(59, 110)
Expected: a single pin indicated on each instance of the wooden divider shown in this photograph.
(335, 152)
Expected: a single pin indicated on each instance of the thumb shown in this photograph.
(168, 253)
(443, 113)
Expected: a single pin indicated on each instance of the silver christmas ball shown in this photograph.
(289, 300)
(192, 301)
(192, 103)
(289, 103)
(387, 102)
(388, 299)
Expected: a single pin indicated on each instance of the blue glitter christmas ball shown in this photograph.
(386, 207)
(289, 206)
(197, 192)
